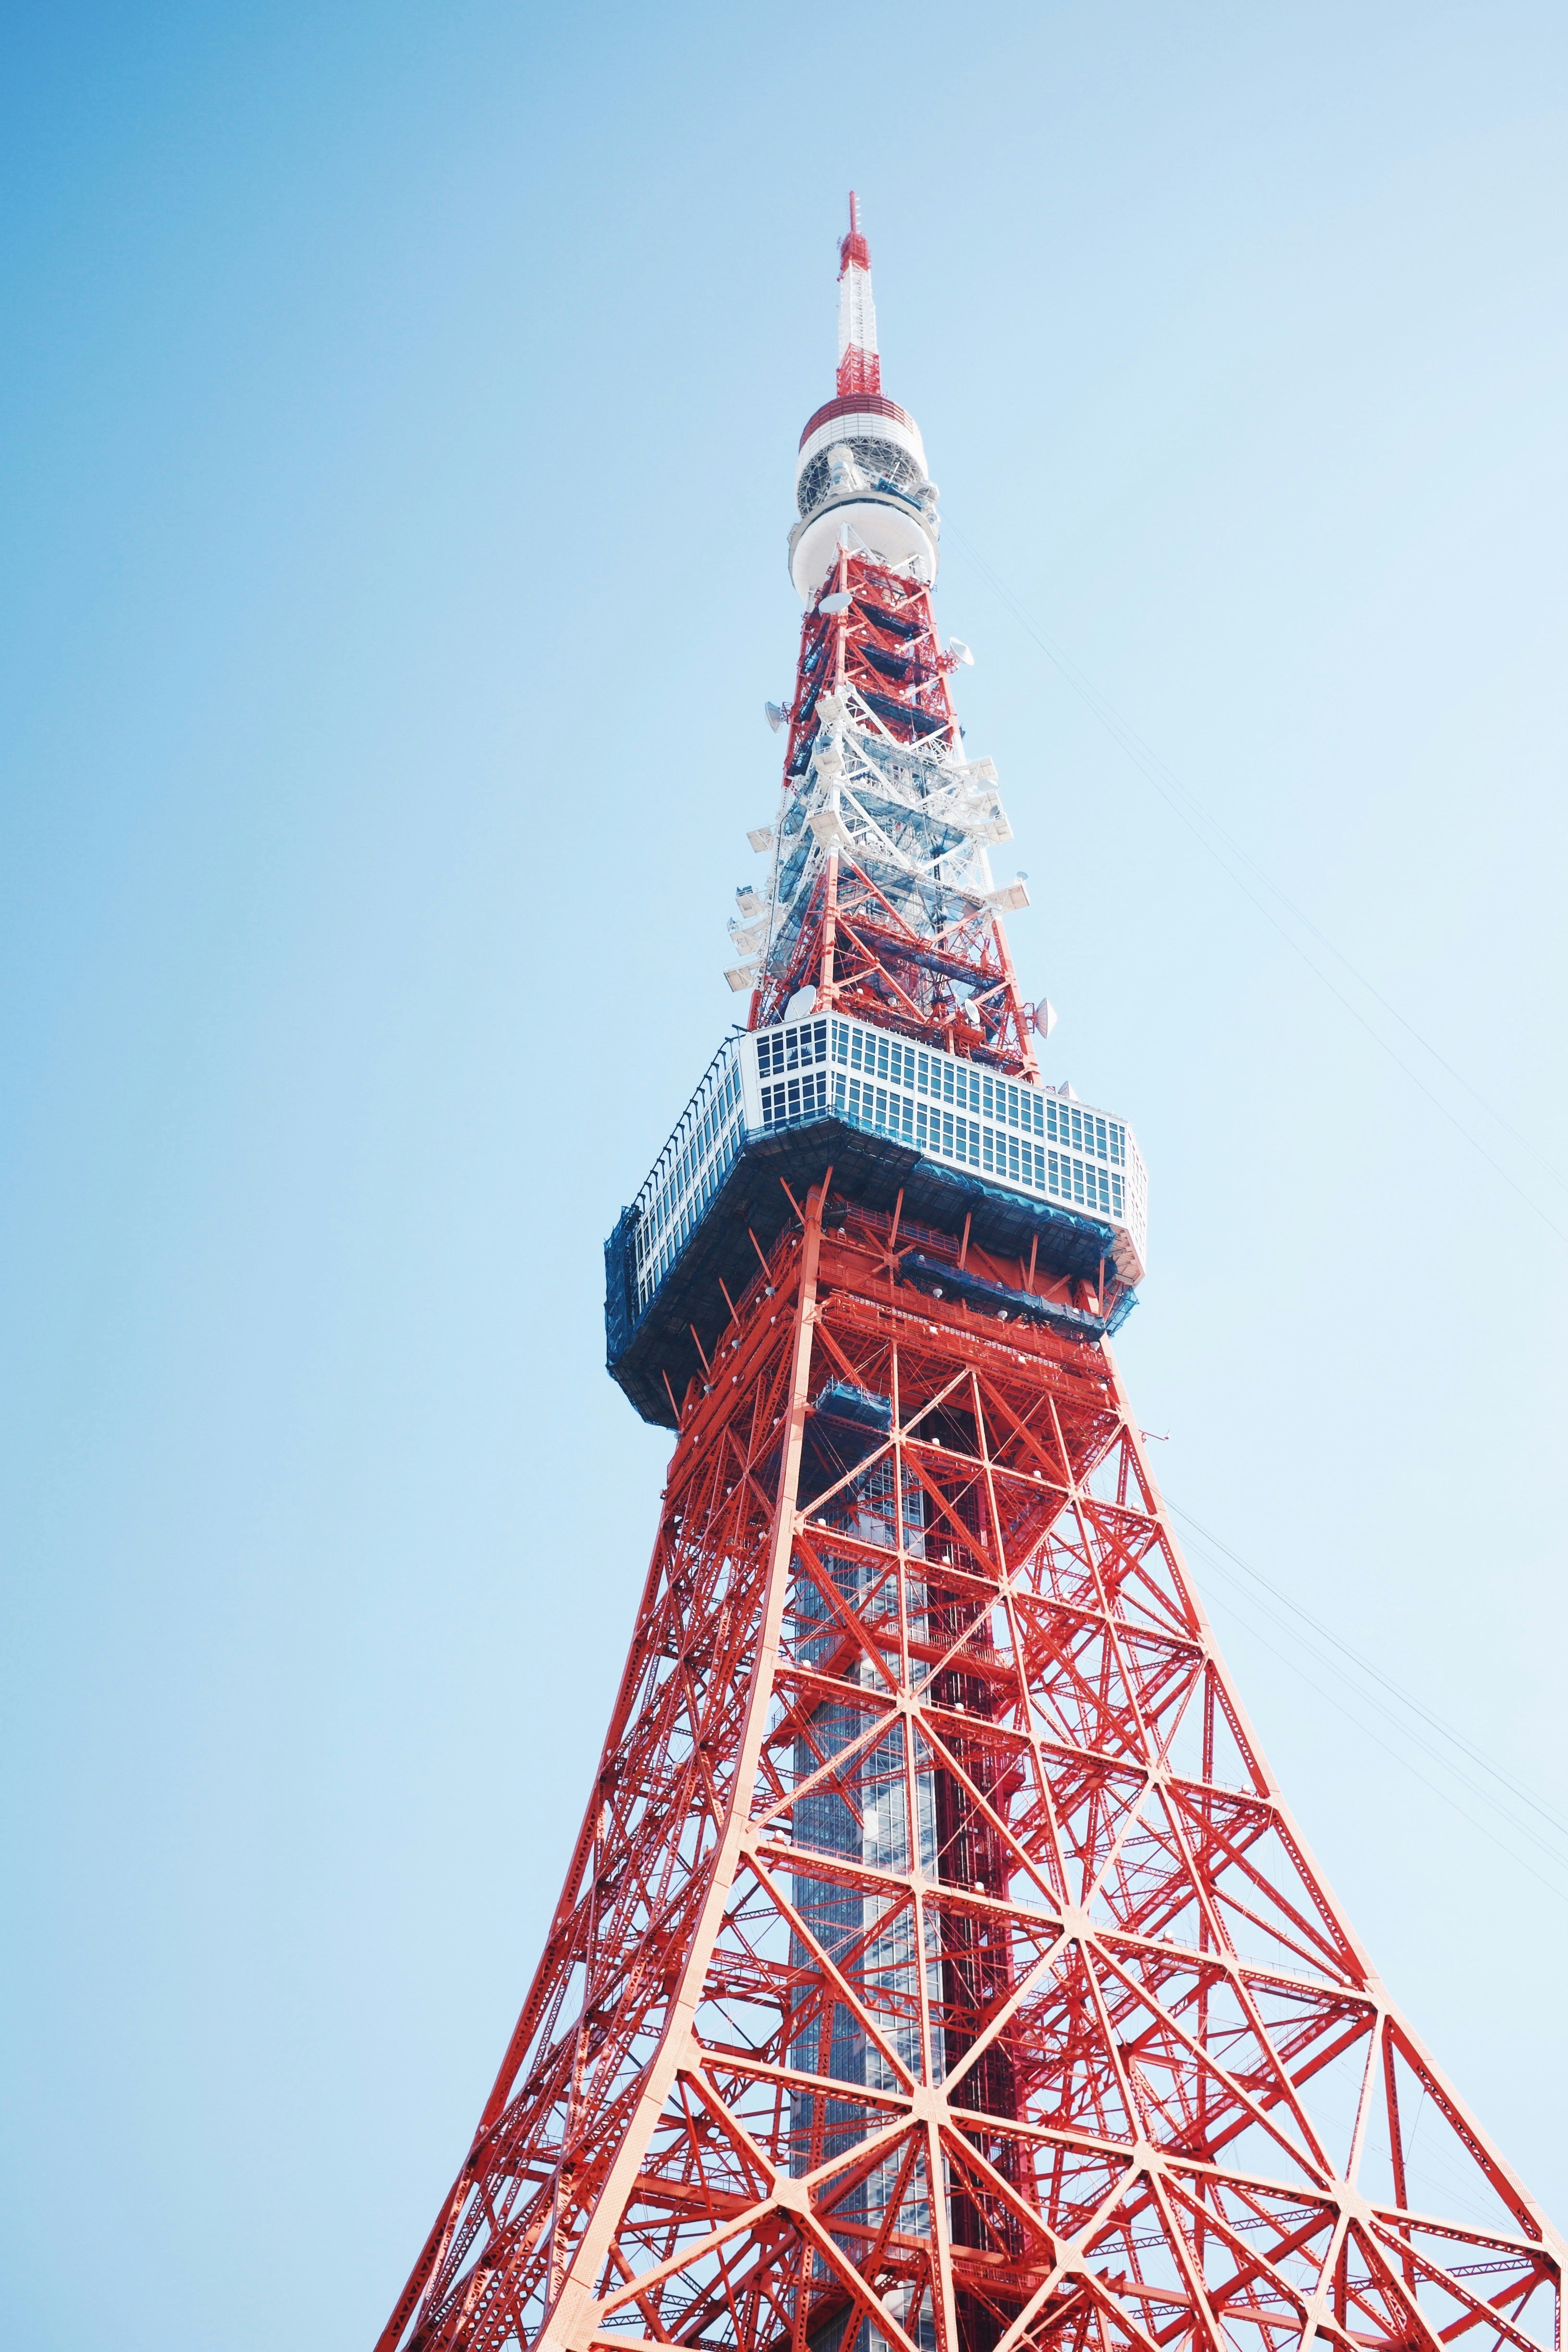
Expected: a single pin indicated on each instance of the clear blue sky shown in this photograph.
(400, 405)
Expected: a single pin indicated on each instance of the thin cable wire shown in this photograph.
(1376, 1673)
(1444, 1762)
(1366, 1731)
(1356, 973)
(1239, 849)
(1149, 767)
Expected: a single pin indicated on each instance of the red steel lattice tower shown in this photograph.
(938, 1967)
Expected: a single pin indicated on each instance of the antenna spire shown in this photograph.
(859, 369)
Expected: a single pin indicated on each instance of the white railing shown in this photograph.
(1027, 1139)
(689, 1170)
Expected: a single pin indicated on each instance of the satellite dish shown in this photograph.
(1043, 1017)
(802, 1002)
(775, 715)
(837, 604)
(960, 652)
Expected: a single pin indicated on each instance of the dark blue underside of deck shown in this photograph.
(645, 1350)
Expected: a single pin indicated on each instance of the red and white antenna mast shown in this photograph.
(859, 369)
(882, 902)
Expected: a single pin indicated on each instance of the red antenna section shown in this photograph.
(859, 369)
(886, 941)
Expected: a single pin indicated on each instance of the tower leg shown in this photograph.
(939, 1969)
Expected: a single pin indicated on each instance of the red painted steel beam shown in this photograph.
(938, 1966)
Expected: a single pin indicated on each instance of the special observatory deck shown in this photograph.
(1036, 1175)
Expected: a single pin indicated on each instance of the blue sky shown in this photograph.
(400, 406)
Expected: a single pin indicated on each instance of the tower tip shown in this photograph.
(859, 369)
(853, 248)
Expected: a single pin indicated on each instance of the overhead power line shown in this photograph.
(1444, 1746)
(1205, 829)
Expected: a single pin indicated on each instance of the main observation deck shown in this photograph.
(1034, 1175)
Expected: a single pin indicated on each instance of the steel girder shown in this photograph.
(878, 894)
(939, 1969)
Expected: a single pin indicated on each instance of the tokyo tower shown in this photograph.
(938, 1967)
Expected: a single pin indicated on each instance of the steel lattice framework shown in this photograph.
(938, 1967)
(882, 887)
(938, 1955)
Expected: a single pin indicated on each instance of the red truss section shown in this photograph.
(939, 1969)
(859, 370)
(854, 946)
(884, 645)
